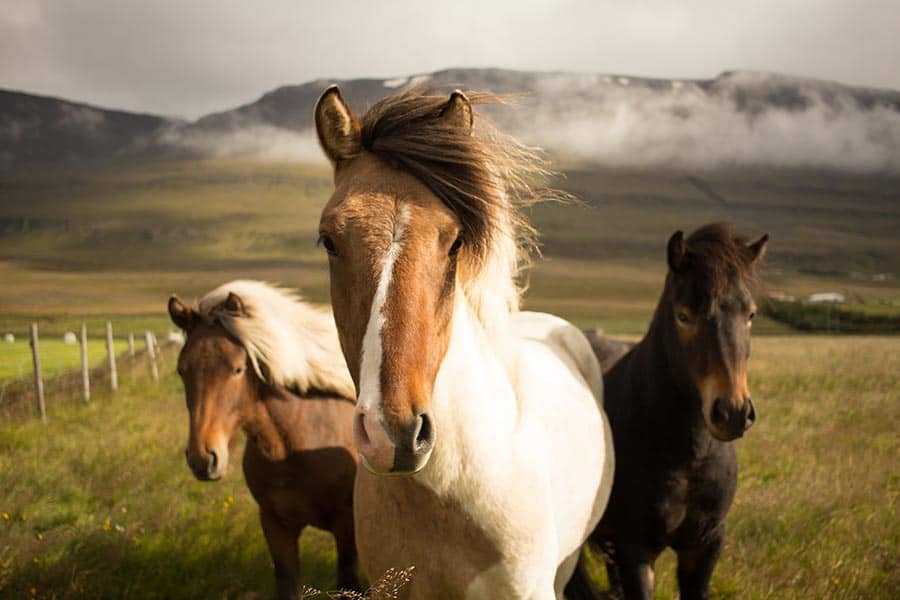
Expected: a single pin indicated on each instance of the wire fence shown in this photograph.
(36, 393)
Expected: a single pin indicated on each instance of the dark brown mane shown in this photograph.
(717, 257)
(481, 175)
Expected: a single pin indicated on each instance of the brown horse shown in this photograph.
(675, 402)
(258, 360)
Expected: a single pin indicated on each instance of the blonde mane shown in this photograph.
(482, 175)
(290, 342)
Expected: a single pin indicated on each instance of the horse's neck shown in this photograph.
(662, 397)
(270, 422)
(473, 403)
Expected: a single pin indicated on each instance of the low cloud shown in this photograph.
(747, 120)
(262, 142)
(738, 119)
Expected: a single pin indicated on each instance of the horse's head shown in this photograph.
(217, 382)
(708, 304)
(394, 251)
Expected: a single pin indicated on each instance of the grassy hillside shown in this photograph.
(119, 241)
(99, 502)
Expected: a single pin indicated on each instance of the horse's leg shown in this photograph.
(635, 570)
(345, 540)
(695, 567)
(284, 548)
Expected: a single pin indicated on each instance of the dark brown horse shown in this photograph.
(675, 403)
(258, 360)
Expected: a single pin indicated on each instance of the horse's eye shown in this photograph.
(457, 244)
(326, 242)
(750, 318)
(682, 316)
(238, 370)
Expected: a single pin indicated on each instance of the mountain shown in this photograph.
(738, 119)
(36, 131)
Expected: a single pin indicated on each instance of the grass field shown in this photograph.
(99, 502)
(56, 356)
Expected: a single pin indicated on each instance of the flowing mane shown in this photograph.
(482, 175)
(290, 343)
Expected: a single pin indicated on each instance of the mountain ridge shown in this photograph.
(739, 118)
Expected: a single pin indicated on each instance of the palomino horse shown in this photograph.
(675, 402)
(489, 420)
(260, 360)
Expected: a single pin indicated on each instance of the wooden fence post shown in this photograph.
(151, 354)
(111, 357)
(38, 380)
(85, 367)
(131, 345)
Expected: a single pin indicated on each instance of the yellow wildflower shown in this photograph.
(106, 525)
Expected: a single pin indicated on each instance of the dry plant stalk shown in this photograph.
(387, 588)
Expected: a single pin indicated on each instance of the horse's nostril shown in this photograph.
(213, 460)
(719, 412)
(751, 414)
(359, 429)
(425, 434)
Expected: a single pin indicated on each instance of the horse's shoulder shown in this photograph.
(566, 339)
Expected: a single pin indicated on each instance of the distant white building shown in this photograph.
(9, 338)
(832, 297)
(70, 338)
(777, 295)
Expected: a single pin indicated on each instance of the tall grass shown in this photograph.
(99, 502)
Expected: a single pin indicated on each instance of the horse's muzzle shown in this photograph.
(730, 421)
(207, 466)
(405, 452)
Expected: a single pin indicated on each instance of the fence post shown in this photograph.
(151, 354)
(85, 367)
(38, 380)
(131, 345)
(111, 357)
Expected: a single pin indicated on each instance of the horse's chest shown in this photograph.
(302, 489)
(401, 523)
(694, 499)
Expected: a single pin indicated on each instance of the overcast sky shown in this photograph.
(189, 57)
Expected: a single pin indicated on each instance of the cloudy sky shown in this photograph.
(189, 57)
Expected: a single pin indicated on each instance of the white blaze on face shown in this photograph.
(370, 370)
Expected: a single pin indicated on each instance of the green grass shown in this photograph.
(56, 356)
(100, 503)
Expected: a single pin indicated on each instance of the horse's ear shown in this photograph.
(457, 112)
(234, 304)
(338, 129)
(181, 315)
(758, 249)
(676, 251)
